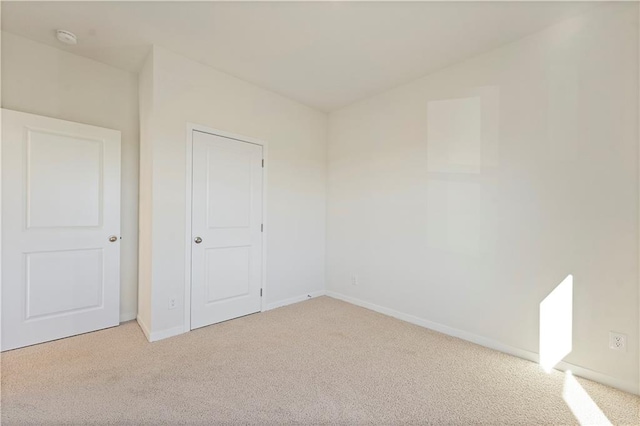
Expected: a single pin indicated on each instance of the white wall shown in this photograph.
(462, 199)
(42, 80)
(186, 91)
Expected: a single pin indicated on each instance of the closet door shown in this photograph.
(226, 229)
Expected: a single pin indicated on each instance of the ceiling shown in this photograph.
(323, 54)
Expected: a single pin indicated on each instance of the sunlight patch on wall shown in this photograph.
(454, 135)
(585, 410)
(556, 324)
(463, 132)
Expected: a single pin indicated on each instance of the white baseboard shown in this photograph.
(293, 300)
(626, 386)
(159, 335)
(127, 316)
(164, 334)
(144, 328)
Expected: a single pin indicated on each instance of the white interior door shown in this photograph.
(60, 229)
(226, 240)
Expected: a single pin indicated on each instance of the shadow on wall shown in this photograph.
(463, 139)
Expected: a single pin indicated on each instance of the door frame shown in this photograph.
(193, 127)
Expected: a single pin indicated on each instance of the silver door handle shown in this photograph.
(113, 238)
(198, 240)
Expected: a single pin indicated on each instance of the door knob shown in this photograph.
(198, 240)
(113, 238)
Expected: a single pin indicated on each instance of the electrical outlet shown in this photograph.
(172, 303)
(617, 341)
(354, 280)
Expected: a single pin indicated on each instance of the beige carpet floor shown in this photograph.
(322, 361)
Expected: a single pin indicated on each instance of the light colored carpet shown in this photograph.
(319, 361)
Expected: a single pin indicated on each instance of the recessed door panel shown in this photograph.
(228, 273)
(61, 282)
(60, 206)
(228, 188)
(64, 180)
(226, 251)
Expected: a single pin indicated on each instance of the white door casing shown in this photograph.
(226, 231)
(60, 209)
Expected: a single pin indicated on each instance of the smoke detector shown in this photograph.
(66, 37)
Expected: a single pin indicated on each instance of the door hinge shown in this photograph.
(262, 227)
(260, 292)
(263, 163)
